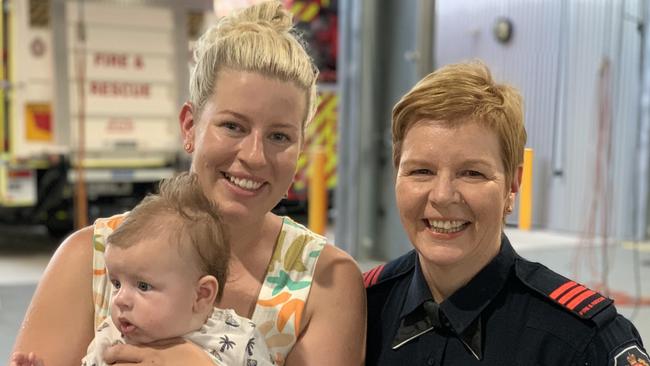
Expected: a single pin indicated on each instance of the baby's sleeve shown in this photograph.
(105, 335)
(231, 340)
(257, 353)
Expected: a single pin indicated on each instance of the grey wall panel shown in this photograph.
(574, 203)
(398, 68)
(529, 62)
(555, 58)
(626, 150)
(377, 66)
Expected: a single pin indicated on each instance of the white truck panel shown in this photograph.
(129, 66)
(30, 61)
(130, 136)
(125, 98)
(122, 15)
(141, 40)
(130, 87)
(35, 53)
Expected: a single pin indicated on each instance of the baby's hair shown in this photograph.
(182, 215)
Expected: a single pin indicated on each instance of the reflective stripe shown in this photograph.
(560, 290)
(569, 295)
(411, 338)
(583, 296)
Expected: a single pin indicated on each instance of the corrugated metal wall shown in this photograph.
(585, 170)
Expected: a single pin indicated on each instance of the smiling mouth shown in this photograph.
(446, 226)
(243, 183)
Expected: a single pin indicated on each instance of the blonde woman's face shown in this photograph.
(247, 141)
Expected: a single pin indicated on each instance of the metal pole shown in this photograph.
(348, 75)
(425, 36)
(526, 192)
(81, 197)
(317, 215)
(641, 218)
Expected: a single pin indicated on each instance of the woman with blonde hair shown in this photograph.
(252, 91)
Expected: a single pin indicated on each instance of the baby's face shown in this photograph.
(153, 291)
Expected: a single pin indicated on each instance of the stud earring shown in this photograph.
(188, 147)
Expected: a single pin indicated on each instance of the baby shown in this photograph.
(168, 262)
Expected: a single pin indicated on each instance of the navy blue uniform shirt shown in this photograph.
(513, 312)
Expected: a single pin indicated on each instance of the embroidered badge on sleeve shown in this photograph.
(631, 356)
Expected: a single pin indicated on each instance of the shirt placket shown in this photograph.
(435, 355)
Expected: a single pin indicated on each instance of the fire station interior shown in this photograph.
(101, 82)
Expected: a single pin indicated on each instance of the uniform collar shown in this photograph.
(460, 313)
(418, 291)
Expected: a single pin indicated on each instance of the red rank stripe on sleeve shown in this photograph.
(571, 295)
(371, 277)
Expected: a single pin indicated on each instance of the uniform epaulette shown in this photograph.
(571, 296)
(390, 270)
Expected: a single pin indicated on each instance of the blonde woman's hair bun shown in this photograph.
(260, 38)
(269, 13)
(258, 18)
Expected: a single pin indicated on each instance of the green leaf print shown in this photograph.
(277, 251)
(293, 256)
(99, 246)
(283, 281)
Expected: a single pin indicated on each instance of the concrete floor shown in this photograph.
(25, 251)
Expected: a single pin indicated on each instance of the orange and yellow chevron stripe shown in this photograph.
(322, 131)
(305, 11)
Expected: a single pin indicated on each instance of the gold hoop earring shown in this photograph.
(188, 147)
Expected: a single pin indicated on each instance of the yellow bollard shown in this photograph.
(317, 215)
(526, 192)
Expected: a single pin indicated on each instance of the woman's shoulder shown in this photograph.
(390, 272)
(563, 294)
(77, 245)
(334, 258)
(336, 301)
(567, 309)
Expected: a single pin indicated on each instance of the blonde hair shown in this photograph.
(260, 39)
(459, 93)
(182, 215)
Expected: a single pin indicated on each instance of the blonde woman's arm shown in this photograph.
(333, 330)
(58, 325)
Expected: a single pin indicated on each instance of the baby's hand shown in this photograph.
(21, 359)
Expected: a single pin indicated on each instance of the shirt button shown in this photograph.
(431, 362)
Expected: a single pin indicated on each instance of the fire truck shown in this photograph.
(90, 94)
(90, 91)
